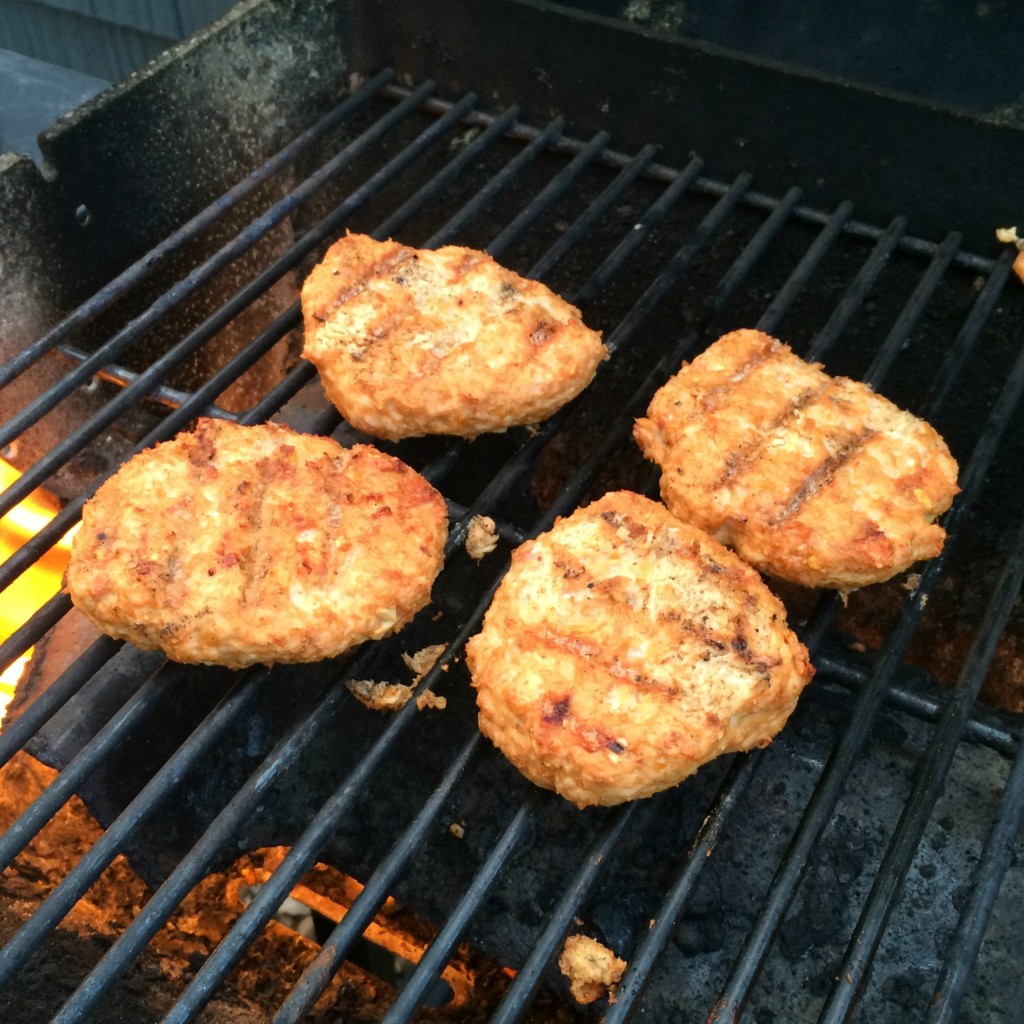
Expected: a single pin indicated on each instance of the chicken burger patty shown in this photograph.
(812, 478)
(624, 649)
(236, 545)
(411, 341)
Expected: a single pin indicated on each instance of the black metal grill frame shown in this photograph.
(953, 714)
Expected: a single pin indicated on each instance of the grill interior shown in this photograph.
(865, 863)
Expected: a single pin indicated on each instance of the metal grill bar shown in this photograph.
(43, 808)
(857, 292)
(332, 954)
(142, 268)
(501, 181)
(253, 232)
(928, 787)
(654, 216)
(912, 311)
(703, 846)
(159, 393)
(17, 733)
(198, 860)
(752, 253)
(64, 451)
(590, 216)
(683, 257)
(710, 186)
(437, 185)
(25, 636)
(965, 943)
(517, 999)
(797, 281)
(554, 189)
(820, 620)
(962, 348)
(75, 884)
(438, 952)
(927, 709)
(830, 785)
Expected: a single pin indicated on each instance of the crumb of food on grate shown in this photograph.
(416, 341)
(238, 545)
(593, 970)
(383, 696)
(481, 537)
(423, 660)
(624, 649)
(810, 478)
(379, 696)
(457, 829)
(1009, 236)
(427, 699)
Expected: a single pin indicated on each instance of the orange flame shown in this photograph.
(39, 583)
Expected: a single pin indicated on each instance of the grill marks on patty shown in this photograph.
(445, 341)
(655, 602)
(819, 477)
(239, 545)
(787, 417)
(745, 458)
(811, 478)
(625, 648)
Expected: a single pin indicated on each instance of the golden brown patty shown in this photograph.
(812, 478)
(236, 545)
(412, 341)
(625, 648)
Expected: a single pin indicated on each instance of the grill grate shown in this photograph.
(684, 255)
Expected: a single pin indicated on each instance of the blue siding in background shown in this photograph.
(55, 54)
(106, 39)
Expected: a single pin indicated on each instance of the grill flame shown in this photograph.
(36, 585)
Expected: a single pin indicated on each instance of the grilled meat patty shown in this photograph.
(411, 341)
(237, 545)
(811, 478)
(625, 648)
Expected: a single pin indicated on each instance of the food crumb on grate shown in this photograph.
(481, 537)
(1009, 236)
(430, 700)
(384, 696)
(423, 660)
(379, 696)
(593, 970)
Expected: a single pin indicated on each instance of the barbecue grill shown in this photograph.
(865, 865)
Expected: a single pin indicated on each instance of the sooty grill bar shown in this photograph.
(660, 259)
